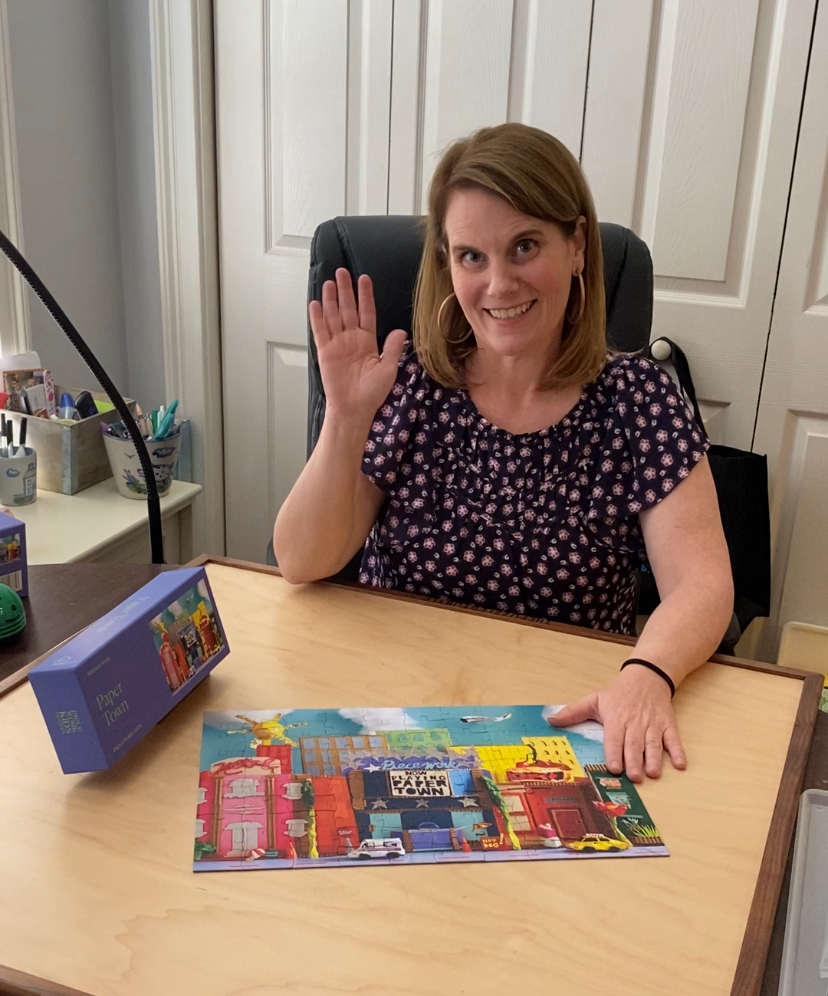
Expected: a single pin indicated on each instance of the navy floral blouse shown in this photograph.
(542, 524)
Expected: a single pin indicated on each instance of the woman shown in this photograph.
(506, 461)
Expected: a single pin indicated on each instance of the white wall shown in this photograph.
(62, 93)
(135, 158)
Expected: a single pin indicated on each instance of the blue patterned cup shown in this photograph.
(126, 468)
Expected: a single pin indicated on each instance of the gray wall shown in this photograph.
(135, 157)
(83, 107)
(64, 123)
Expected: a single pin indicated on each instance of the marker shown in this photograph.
(167, 421)
(3, 451)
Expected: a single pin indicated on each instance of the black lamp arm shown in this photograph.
(72, 334)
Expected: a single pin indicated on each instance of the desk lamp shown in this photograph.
(114, 395)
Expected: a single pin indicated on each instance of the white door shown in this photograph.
(303, 90)
(792, 425)
(310, 127)
(686, 131)
(689, 138)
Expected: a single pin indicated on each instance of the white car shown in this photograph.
(381, 847)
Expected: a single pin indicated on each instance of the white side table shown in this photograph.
(99, 525)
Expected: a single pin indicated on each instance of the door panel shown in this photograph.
(303, 98)
(792, 424)
(694, 152)
(460, 65)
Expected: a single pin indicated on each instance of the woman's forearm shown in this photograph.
(315, 525)
(688, 625)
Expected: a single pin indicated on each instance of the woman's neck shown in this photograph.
(515, 376)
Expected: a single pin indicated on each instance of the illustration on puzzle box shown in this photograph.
(9, 548)
(314, 788)
(186, 635)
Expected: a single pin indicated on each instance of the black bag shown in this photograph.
(741, 480)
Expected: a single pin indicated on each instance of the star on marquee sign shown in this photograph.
(470, 803)
(372, 767)
(379, 804)
(422, 804)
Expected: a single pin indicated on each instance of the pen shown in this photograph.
(3, 452)
(23, 427)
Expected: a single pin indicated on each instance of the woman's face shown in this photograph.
(512, 273)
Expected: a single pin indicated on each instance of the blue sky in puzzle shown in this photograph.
(523, 721)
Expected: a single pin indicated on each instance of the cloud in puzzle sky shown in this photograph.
(379, 720)
(590, 729)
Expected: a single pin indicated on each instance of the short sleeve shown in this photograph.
(394, 424)
(663, 441)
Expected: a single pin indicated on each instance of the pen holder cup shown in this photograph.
(18, 477)
(126, 468)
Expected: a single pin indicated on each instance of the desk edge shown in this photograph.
(14, 983)
(750, 968)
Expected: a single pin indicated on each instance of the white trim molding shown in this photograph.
(14, 298)
(181, 39)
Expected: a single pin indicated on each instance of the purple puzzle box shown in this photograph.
(13, 569)
(102, 691)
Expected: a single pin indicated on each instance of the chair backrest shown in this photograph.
(388, 249)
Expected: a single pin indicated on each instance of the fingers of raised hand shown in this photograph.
(367, 309)
(330, 308)
(318, 324)
(347, 302)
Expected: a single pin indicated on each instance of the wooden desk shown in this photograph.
(100, 525)
(99, 895)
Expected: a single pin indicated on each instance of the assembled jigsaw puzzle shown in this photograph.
(307, 788)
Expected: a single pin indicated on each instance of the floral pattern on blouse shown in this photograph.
(542, 524)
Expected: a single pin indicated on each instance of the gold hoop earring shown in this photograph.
(580, 315)
(453, 342)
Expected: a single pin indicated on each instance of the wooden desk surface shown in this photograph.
(96, 870)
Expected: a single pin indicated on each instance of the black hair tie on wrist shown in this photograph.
(653, 667)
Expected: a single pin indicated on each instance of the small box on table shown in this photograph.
(102, 691)
(14, 569)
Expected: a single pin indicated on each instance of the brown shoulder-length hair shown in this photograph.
(539, 177)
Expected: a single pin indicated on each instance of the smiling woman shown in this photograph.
(505, 460)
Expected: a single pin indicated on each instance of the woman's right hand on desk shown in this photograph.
(356, 378)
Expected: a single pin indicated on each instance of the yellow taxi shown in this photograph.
(591, 842)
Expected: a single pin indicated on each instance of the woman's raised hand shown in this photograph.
(355, 376)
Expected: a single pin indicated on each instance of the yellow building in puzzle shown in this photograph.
(499, 758)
